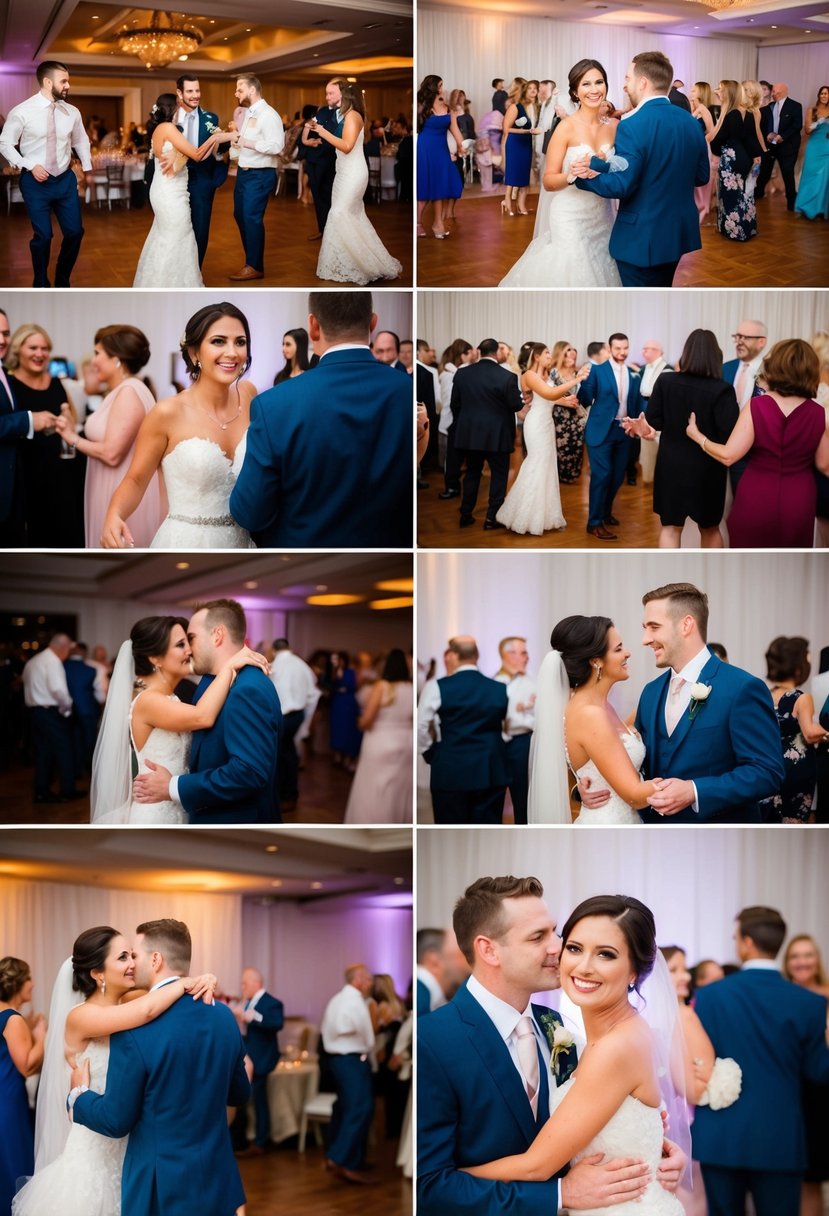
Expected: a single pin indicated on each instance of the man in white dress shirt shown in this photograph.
(47, 698)
(348, 1038)
(653, 365)
(260, 140)
(520, 719)
(296, 685)
(38, 138)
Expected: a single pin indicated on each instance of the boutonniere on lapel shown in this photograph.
(699, 695)
(210, 126)
(561, 1042)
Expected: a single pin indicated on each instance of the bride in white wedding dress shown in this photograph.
(144, 720)
(78, 1172)
(169, 257)
(534, 503)
(351, 250)
(577, 727)
(632, 1066)
(196, 439)
(573, 226)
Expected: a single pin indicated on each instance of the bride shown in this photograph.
(573, 226)
(534, 503)
(351, 251)
(197, 439)
(145, 720)
(169, 257)
(78, 1172)
(588, 658)
(632, 1065)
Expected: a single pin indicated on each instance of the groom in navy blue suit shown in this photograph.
(667, 157)
(611, 392)
(169, 1084)
(204, 177)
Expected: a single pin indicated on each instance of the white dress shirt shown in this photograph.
(250, 1013)
(752, 372)
(44, 683)
(263, 129)
(346, 1024)
(649, 375)
(437, 996)
(294, 682)
(690, 673)
(428, 710)
(520, 691)
(621, 375)
(26, 125)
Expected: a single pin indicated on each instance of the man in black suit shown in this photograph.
(679, 99)
(386, 349)
(781, 123)
(485, 401)
(15, 425)
(321, 156)
(428, 393)
(80, 680)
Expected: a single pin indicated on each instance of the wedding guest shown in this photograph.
(81, 680)
(458, 355)
(782, 122)
(388, 1012)
(701, 102)
(676, 98)
(519, 130)
(457, 99)
(430, 975)
(344, 711)
(598, 352)
(386, 349)
(437, 178)
(744, 372)
(381, 791)
(820, 695)
(21, 1056)
(506, 356)
(653, 365)
(298, 693)
(520, 720)
(803, 965)
(820, 345)
(407, 353)
(735, 141)
(427, 389)
(719, 650)
(569, 418)
(404, 163)
(813, 193)
(295, 351)
(499, 95)
(708, 970)
(787, 668)
(46, 128)
(53, 485)
(47, 698)
(260, 1018)
(259, 140)
(110, 434)
(348, 1038)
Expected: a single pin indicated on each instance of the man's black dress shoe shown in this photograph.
(601, 533)
(612, 521)
(467, 521)
(491, 524)
(444, 494)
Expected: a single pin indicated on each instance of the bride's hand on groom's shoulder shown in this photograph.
(248, 658)
(202, 987)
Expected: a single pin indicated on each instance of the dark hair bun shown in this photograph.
(89, 954)
(578, 639)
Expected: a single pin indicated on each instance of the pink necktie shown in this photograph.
(528, 1055)
(740, 382)
(673, 711)
(51, 163)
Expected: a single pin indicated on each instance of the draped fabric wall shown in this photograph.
(802, 67)
(468, 49)
(753, 598)
(695, 881)
(582, 317)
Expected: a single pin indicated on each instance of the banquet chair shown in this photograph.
(117, 185)
(374, 178)
(317, 1110)
(13, 188)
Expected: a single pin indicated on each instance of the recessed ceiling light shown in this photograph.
(251, 584)
(401, 601)
(182, 565)
(96, 18)
(321, 587)
(271, 848)
(398, 882)
(333, 601)
(316, 886)
(276, 882)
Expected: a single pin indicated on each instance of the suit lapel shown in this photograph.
(653, 721)
(494, 1055)
(199, 735)
(685, 723)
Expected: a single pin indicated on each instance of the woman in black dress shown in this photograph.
(736, 142)
(683, 487)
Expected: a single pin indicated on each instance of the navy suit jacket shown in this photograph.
(80, 680)
(327, 118)
(472, 1107)
(600, 393)
(776, 1033)
(14, 426)
(261, 1041)
(232, 776)
(471, 754)
(423, 999)
(205, 176)
(168, 1087)
(330, 460)
(731, 749)
(667, 156)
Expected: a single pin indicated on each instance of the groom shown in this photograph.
(479, 1096)
(169, 1083)
(232, 776)
(667, 157)
(204, 177)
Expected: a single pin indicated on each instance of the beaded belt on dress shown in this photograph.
(208, 521)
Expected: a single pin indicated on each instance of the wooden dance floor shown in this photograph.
(113, 241)
(789, 251)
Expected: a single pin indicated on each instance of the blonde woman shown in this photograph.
(735, 141)
(701, 102)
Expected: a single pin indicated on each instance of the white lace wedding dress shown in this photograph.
(635, 1130)
(172, 749)
(615, 810)
(534, 503)
(572, 251)
(85, 1180)
(169, 257)
(351, 250)
(200, 478)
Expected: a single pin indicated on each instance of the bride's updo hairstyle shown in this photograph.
(635, 921)
(197, 327)
(89, 954)
(528, 354)
(581, 69)
(163, 110)
(578, 639)
(150, 639)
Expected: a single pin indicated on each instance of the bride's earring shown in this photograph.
(197, 369)
(597, 667)
(632, 986)
(103, 987)
(117, 362)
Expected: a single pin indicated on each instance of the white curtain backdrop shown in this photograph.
(582, 317)
(467, 50)
(803, 68)
(752, 597)
(695, 880)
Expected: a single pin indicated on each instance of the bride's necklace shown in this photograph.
(222, 425)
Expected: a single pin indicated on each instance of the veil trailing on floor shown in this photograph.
(548, 800)
(110, 793)
(51, 1123)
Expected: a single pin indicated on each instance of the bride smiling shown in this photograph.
(197, 439)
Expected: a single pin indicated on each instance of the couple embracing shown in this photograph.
(650, 161)
(704, 746)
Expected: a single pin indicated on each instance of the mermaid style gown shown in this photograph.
(169, 257)
(351, 250)
(200, 478)
(534, 504)
(85, 1180)
(615, 810)
(172, 749)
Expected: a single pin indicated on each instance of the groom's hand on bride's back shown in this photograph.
(596, 1183)
(153, 786)
(592, 799)
(79, 1075)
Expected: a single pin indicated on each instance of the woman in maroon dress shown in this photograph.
(786, 434)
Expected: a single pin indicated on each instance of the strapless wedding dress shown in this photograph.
(169, 257)
(199, 478)
(534, 503)
(635, 1130)
(172, 749)
(572, 248)
(615, 810)
(351, 250)
(85, 1180)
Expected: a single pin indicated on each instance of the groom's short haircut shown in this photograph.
(342, 314)
(465, 649)
(481, 909)
(655, 67)
(171, 938)
(684, 599)
(488, 348)
(617, 338)
(181, 81)
(49, 67)
(428, 941)
(229, 613)
(765, 927)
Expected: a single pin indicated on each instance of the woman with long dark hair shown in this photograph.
(438, 181)
(295, 350)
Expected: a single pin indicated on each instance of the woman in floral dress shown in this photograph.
(569, 417)
(735, 141)
(787, 664)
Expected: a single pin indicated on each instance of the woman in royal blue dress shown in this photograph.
(21, 1055)
(437, 178)
(813, 195)
(518, 143)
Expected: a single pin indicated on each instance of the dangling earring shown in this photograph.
(103, 987)
(597, 667)
(117, 362)
(632, 986)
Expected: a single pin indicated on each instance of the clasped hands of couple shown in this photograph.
(170, 162)
(641, 429)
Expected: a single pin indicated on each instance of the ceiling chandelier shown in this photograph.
(161, 42)
(720, 6)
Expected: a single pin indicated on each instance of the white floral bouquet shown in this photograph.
(724, 1084)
